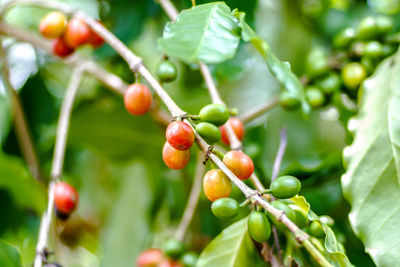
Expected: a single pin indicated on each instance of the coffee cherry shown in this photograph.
(173, 248)
(66, 198)
(60, 48)
(216, 185)
(189, 259)
(77, 33)
(289, 101)
(330, 84)
(316, 229)
(373, 49)
(237, 127)
(316, 63)
(166, 71)
(180, 135)
(216, 114)
(367, 29)
(209, 132)
(285, 187)
(301, 217)
(315, 97)
(258, 226)
(53, 25)
(289, 212)
(384, 24)
(174, 158)
(137, 99)
(95, 40)
(368, 64)
(353, 74)
(225, 208)
(239, 163)
(344, 38)
(151, 257)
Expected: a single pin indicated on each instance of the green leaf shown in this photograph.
(334, 249)
(232, 248)
(26, 191)
(205, 33)
(385, 6)
(371, 182)
(9, 256)
(281, 70)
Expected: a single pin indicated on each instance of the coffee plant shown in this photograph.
(199, 133)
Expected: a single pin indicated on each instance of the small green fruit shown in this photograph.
(166, 71)
(315, 97)
(225, 208)
(330, 84)
(353, 74)
(344, 38)
(285, 187)
(258, 226)
(209, 132)
(288, 101)
(316, 63)
(316, 229)
(216, 114)
(173, 248)
(289, 212)
(189, 259)
(373, 49)
(367, 29)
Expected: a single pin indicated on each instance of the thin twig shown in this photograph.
(193, 199)
(169, 9)
(21, 126)
(58, 161)
(258, 111)
(136, 65)
(280, 154)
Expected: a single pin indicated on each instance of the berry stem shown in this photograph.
(193, 199)
(280, 154)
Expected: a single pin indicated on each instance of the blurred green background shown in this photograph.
(129, 200)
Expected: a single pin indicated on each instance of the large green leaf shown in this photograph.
(232, 248)
(9, 256)
(281, 70)
(205, 33)
(371, 183)
(15, 178)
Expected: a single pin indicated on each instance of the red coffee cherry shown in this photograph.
(151, 257)
(174, 158)
(138, 99)
(53, 25)
(216, 185)
(237, 127)
(95, 40)
(180, 135)
(77, 33)
(60, 48)
(65, 198)
(239, 163)
(170, 263)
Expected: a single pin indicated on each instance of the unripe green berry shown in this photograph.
(315, 97)
(373, 49)
(209, 132)
(316, 63)
(288, 101)
(353, 74)
(316, 229)
(173, 248)
(384, 24)
(189, 259)
(166, 71)
(225, 208)
(285, 187)
(367, 29)
(344, 38)
(330, 84)
(216, 114)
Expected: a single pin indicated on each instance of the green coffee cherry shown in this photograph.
(316, 229)
(258, 226)
(316, 63)
(353, 74)
(368, 64)
(225, 208)
(384, 24)
(344, 38)
(285, 187)
(173, 248)
(189, 259)
(367, 29)
(301, 217)
(166, 71)
(209, 132)
(216, 114)
(288, 101)
(330, 84)
(373, 49)
(289, 212)
(315, 97)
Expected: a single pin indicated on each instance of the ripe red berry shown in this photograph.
(60, 48)
(239, 163)
(77, 33)
(138, 99)
(237, 127)
(53, 25)
(180, 135)
(151, 257)
(173, 158)
(95, 40)
(170, 263)
(216, 185)
(65, 198)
